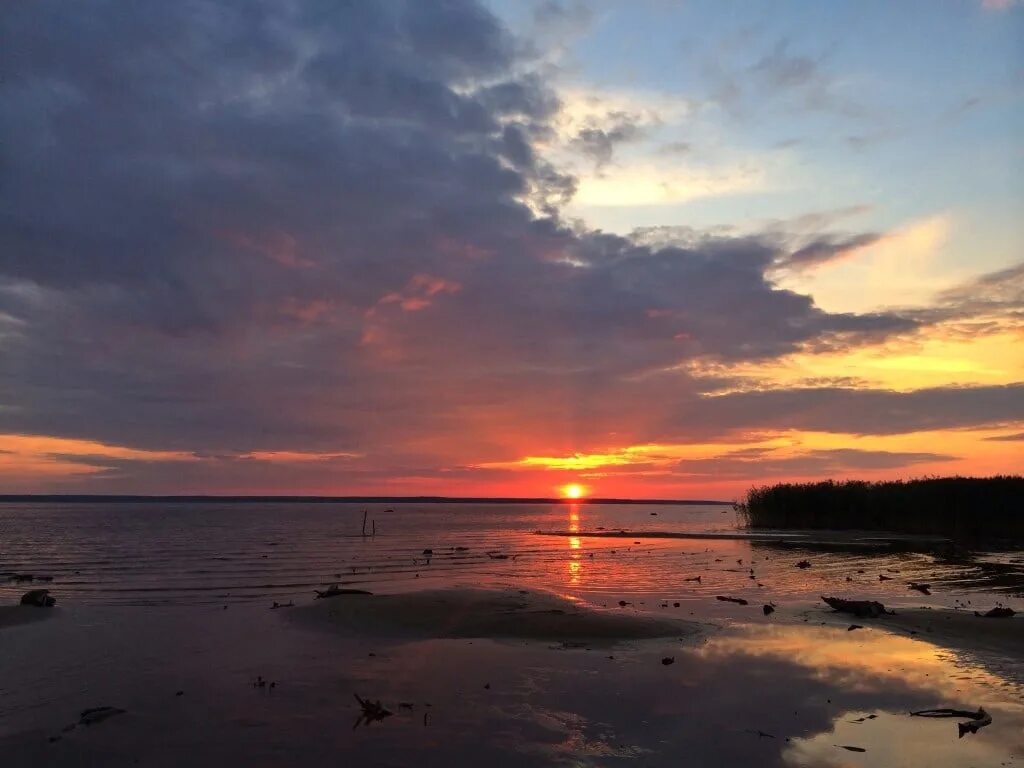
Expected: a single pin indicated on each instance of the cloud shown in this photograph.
(268, 229)
(856, 411)
(599, 143)
(817, 463)
(999, 5)
(1017, 437)
(777, 77)
(827, 248)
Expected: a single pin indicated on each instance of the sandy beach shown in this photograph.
(13, 615)
(480, 642)
(477, 613)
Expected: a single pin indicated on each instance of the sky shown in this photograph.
(657, 249)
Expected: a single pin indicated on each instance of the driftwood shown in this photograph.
(334, 591)
(98, 715)
(924, 589)
(372, 711)
(997, 613)
(737, 600)
(871, 609)
(975, 720)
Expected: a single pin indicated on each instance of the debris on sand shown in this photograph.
(975, 720)
(668, 660)
(497, 556)
(40, 598)
(693, 578)
(884, 578)
(427, 552)
(289, 604)
(372, 711)
(996, 613)
(804, 564)
(737, 600)
(334, 591)
(768, 608)
(850, 749)
(924, 589)
(98, 715)
(870, 609)
(853, 627)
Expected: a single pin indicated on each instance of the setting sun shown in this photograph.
(573, 491)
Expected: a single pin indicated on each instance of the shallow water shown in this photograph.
(142, 591)
(172, 554)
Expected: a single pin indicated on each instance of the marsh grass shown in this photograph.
(964, 508)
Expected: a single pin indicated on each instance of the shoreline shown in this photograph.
(797, 537)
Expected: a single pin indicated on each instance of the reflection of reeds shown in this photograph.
(961, 507)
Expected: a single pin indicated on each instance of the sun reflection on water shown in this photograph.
(575, 543)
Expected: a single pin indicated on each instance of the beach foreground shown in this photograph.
(483, 643)
(506, 677)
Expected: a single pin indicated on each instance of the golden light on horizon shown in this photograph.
(573, 491)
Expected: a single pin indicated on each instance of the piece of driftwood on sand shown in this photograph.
(871, 609)
(975, 720)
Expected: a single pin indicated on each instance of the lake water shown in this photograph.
(198, 553)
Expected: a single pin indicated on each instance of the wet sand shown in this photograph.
(954, 629)
(780, 694)
(485, 613)
(13, 615)
(494, 646)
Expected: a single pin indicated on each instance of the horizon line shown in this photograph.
(85, 498)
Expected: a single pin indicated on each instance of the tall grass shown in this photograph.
(965, 508)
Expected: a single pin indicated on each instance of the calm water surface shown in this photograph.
(169, 554)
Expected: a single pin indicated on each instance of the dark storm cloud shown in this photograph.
(231, 226)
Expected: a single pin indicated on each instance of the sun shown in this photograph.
(573, 491)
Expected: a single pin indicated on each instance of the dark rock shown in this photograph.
(40, 598)
(997, 613)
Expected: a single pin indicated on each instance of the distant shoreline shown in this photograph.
(81, 498)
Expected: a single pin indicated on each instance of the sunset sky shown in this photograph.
(655, 249)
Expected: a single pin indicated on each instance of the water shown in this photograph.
(198, 553)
